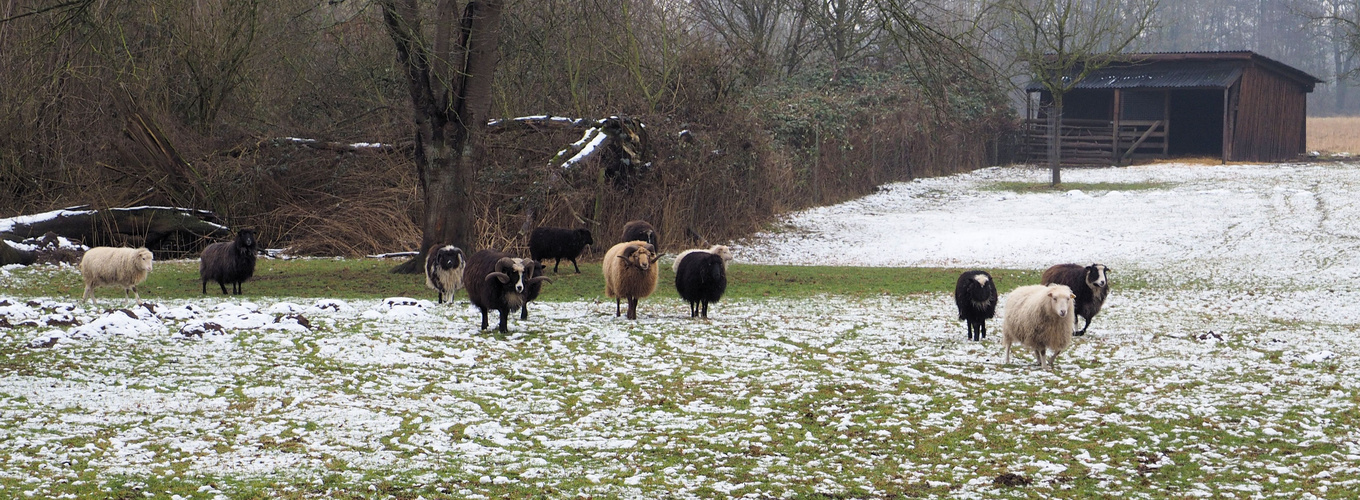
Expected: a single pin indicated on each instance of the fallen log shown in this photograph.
(168, 231)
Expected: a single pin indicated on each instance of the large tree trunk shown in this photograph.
(450, 83)
(1055, 141)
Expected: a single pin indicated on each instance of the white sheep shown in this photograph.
(120, 267)
(719, 250)
(630, 272)
(1037, 317)
(444, 270)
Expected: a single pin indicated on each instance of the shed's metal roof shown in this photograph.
(1162, 75)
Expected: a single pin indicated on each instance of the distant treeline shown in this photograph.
(193, 104)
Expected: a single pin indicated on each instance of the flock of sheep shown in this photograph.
(504, 283)
(1037, 316)
(1040, 317)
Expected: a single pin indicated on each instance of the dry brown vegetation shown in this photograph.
(1334, 134)
(118, 104)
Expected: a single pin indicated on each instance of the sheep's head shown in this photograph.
(583, 236)
(449, 257)
(509, 270)
(144, 259)
(721, 251)
(533, 270)
(640, 256)
(1095, 276)
(981, 290)
(1062, 299)
(245, 239)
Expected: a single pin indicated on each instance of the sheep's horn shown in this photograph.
(502, 277)
(539, 279)
(650, 247)
(655, 256)
(628, 251)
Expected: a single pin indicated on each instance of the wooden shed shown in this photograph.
(1238, 106)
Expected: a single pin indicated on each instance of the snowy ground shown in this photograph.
(1233, 375)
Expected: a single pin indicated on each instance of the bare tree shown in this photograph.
(1064, 41)
(450, 84)
(845, 30)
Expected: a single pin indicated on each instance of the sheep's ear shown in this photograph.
(1071, 295)
(501, 277)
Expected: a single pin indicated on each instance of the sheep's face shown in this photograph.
(721, 251)
(640, 256)
(246, 239)
(1062, 299)
(980, 292)
(583, 235)
(144, 259)
(449, 257)
(1095, 275)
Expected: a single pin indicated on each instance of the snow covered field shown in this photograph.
(1232, 374)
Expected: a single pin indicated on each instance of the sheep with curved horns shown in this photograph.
(496, 281)
(640, 230)
(719, 250)
(557, 243)
(975, 296)
(630, 272)
(700, 278)
(117, 267)
(535, 269)
(1090, 284)
(1037, 317)
(229, 262)
(444, 270)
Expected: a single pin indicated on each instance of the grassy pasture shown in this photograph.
(808, 383)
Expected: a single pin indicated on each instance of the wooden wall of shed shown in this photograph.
(1270, 118)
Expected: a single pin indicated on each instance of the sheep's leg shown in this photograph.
(236, 288)
(224, 287)
(632, 307)
(555, 264)
(1083, 329)
(134, 293)
(505, 320)
(982, 330)
(441, 297)
(1008, 350)
(86, 297)
(484, 319)
(205, 287)
(524, 311)
(1039, 355)
(705, 313)
(573, 265)
(616, 307)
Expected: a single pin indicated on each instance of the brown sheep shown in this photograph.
(630, 272)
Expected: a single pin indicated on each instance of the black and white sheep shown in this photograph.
(558, 243)
(700, 278)
(229, 262)
(117, 267)
(1090, 284)
(1037, 318)
(720, 250)
(630, 272)
(496, 281)
(975, 294)
(444, 270)
(536, 269)
(640, 230)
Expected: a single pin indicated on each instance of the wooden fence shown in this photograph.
(1091, 143)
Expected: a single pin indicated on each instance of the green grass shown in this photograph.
(370, 278)
(1043, 187)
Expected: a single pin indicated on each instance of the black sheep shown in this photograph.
(701, 278)
(975, 294)
(1090, 284)
(557, 243)
(229, 262)
(535, 287)
(494, 280)
(640, 230)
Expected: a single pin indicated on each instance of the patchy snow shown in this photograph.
(1235, 224)
(1235, 382)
